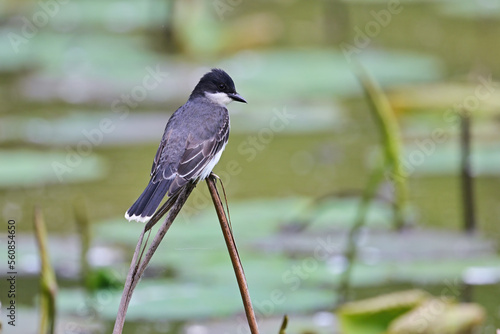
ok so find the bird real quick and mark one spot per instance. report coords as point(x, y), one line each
point(193, 141)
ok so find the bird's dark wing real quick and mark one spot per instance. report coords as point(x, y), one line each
point(154, 167)
point(199, 153)
point(195, 156)
point(162, 177)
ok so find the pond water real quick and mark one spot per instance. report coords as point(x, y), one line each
point(307, 130)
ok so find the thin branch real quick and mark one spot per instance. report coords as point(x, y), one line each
point(127, 289)
point(139, 264)
point(467, 175)
point(233, 253)
point(83, 228)
point(172, 214)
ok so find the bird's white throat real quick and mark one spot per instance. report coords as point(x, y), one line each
point(220, 98)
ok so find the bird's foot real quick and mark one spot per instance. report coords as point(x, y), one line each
point(214, 176)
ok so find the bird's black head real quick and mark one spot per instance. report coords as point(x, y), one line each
point(218, 86)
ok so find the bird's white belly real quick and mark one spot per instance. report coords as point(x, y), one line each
point(210, 166)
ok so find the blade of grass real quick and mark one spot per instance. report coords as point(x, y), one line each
point(390, 139)
point(47, 277)
point(284, 323)
point(83, 228)
point(350, 252)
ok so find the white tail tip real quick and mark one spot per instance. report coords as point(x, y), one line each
point(137, 218)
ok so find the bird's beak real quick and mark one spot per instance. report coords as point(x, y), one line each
point(237, 97)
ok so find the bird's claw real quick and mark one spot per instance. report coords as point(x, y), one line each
point(214, 176)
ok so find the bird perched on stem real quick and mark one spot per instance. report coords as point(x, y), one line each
point(192, 144)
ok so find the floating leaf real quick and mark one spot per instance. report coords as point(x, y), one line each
point(373, 316)
point(385, 3)
point(195, 248)
point(32, 168)
point(165, 299)
point(472, 10)
point(430, 158)
point(265, 75)
point(317, 323)
point(436, 316)
point(443, 96)
point(85, 126)
point(133, 15)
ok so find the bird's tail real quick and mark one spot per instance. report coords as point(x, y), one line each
point(145, 206)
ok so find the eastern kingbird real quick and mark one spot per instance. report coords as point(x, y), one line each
point(192, 144)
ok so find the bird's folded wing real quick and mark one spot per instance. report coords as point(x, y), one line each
point(199, 154)
point(154, 167)
point(196, 157)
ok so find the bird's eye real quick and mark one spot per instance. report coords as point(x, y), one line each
point(222, 86)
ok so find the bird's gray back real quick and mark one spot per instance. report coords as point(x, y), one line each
point(196, 121)
point(199, 118)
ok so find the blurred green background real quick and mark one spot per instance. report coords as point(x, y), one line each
point(86, 88)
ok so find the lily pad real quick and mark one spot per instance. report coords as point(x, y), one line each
point(445, 96)
point(319, 323)
point(191, 276)
point(88, 70)
point(28, 320)
point(323, 73)
point(195, 248)
point(165, 299)
point(53, 52)
point(449, 272)
point(471, 10)
point(83, 68)
point(85, 126)
point(117, 16)
point(442, 317)
point(251, 219)
point(412, 311)
point(430, 158)
point(385, 2)
point(82, 125)
point(34, 168)
point(373, 315)
point(261, 120)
